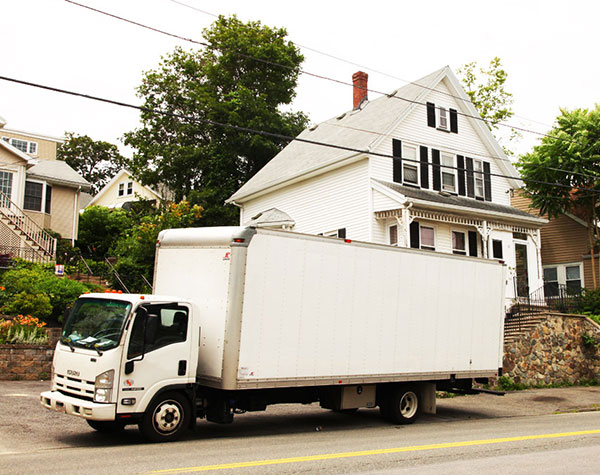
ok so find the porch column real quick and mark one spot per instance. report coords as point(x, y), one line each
point(404, 224)
point(484, 231)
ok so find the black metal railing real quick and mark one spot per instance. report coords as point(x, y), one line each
point(552, 296)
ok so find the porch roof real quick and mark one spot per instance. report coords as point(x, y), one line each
point(458, 204)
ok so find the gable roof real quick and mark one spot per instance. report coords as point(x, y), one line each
point(358, 132)
point(29, 161)
point(120, 174)
point(57, 172)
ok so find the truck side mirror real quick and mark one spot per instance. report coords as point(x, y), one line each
point(151, 329)
point(129, 367)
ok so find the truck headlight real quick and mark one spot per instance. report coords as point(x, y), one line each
point(103, 386)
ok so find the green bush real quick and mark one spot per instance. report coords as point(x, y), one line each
point(590, 301)
point(35, 290)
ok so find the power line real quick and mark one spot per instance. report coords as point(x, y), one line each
point(267, 134)
point(318, 76)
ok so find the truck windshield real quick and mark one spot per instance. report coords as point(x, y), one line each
point(95, 323)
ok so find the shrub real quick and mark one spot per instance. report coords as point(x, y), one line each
point(37, 291)
point(590, 301)
point(22, 329)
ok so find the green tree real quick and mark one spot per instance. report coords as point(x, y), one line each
point(243, 78)
point(96, 161)
point(100, 228)
point(486, 89)
point(568, 155)
point(136, 248)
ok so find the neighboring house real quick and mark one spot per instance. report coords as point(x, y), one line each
point(123, 189)
point(361, 193)
point(37, 192)
point(566, 257)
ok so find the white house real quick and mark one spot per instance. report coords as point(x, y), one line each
point(417, 167)
point(121, 189)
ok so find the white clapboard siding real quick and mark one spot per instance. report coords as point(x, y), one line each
point(414, 130)
point(337, 199)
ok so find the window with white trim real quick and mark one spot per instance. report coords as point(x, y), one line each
point(427, 238)
point(34, 195)
point(130, 188)
point(478, 178)
point(566, 275)
point(443, 119)
point(121, 189)
point(459, 243)
point(6, 180)
point(448, 174)
point(410, 165)
point(24, 146)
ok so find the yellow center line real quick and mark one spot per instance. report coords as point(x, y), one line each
point(363, 453)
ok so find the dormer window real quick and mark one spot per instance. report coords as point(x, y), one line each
point(24, 146)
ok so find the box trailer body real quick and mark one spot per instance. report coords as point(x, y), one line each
point(274, 316)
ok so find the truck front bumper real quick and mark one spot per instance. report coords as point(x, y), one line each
point(58, 402)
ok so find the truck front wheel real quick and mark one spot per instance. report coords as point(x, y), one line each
point(166, 418)
point(401, 405)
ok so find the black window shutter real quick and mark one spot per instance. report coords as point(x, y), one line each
point(472, 243)
point(470, 178)
point(397, 160)
point(431, 114)
point(414, 235)
point(437, 172)
point(424, 167)
point(487, 182)
point(453, 121)
point(460, 164)
point(342, 233)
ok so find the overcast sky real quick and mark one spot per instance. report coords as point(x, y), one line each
point(548, 48)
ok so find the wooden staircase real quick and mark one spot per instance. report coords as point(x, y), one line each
point(34, 243)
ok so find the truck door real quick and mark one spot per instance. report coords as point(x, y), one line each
point(155, 357)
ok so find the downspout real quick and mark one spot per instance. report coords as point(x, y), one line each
point(241, 210)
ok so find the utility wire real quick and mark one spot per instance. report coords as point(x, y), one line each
point(269, 134)
point(318, 76)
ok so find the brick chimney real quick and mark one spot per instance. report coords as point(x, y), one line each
point(359, 80)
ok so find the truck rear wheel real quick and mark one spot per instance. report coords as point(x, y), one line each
point(401, 405)
point(166, 418)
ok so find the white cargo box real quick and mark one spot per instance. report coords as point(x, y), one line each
point(279, 309)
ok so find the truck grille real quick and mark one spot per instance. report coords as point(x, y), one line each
point(74, 386)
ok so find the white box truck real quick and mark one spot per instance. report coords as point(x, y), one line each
point(241, 318)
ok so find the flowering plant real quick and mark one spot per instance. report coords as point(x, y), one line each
point(23, 329)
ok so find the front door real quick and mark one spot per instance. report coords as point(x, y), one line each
point(522, 280)
point(161, 362)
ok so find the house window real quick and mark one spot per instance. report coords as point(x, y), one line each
point(427, 236)
point(448, 174)
point(6, 179)
point(478, 176)
point(497, 249)
point(443, 120)
point(551, 282)
point(34, 193)
point(393, 233)
point(339, 233)
point(121, 189)
point(459, 243)
point(130, 188)
point(573, 278)
point(410, 166)
point(23, 145)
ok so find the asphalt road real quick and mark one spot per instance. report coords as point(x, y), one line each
point(548, 431)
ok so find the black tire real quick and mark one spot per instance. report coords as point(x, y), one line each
point(166, 418)
point(106, 427)
point(401, 405)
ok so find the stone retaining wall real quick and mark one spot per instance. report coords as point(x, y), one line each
point(28, 362)
point(554, 352)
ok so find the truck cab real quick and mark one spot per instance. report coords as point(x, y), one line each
point(117, 355)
